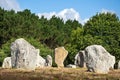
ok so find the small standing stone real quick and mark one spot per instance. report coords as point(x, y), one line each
point(40, 62)
point(79, 59)
point(7, 63)
point(119, 64)
point(48, 61)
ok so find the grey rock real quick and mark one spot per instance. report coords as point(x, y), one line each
point(23, 55)
point(7, 63)
point(48, 61)
point(119, 64)
point(98, 59)
point(40, 62)
point(79, 59)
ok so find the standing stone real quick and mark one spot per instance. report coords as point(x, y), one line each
point(40, 62)
point(79, 59)
point(48, 61)
point(7, 63)
point(98, 59)
point(23, 55)
point(60, 56)
point(119, 64)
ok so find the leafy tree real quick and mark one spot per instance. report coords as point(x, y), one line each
point(46, 35)
point(105, 27)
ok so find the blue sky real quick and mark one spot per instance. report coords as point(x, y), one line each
point(81, 9)
point(86, 8)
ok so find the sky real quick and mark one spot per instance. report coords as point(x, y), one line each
point(80, 10)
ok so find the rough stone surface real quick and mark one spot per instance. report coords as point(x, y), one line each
point(23, 55)
point(98, 59)
point(60, 55)
point(79, 59)
point(40, 62)
point(7, 63)
point(48, 61)
point(119, 64)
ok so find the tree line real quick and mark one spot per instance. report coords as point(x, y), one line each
point(102, 29)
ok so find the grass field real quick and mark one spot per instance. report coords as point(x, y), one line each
point(57, 74)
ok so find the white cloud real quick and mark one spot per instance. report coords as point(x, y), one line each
point(9, 4)
point(65, 14)
point(84, 21)
point(69, 14)
point(106, 11)
point(47, 15)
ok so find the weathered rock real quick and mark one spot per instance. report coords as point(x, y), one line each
point(71, 66)
point(40, 62)
point(7, 63)
point(23, 55)
point(48, 61)
point(79, 59)
point(119, 64)
point(60, 55)
point(98, 59)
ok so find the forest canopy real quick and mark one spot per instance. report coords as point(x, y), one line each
point(102, 29)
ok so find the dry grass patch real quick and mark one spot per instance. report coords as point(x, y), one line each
point(56, 74)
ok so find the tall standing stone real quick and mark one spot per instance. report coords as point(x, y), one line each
point(60, 56)
point(98, 59)
point(23, 55)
